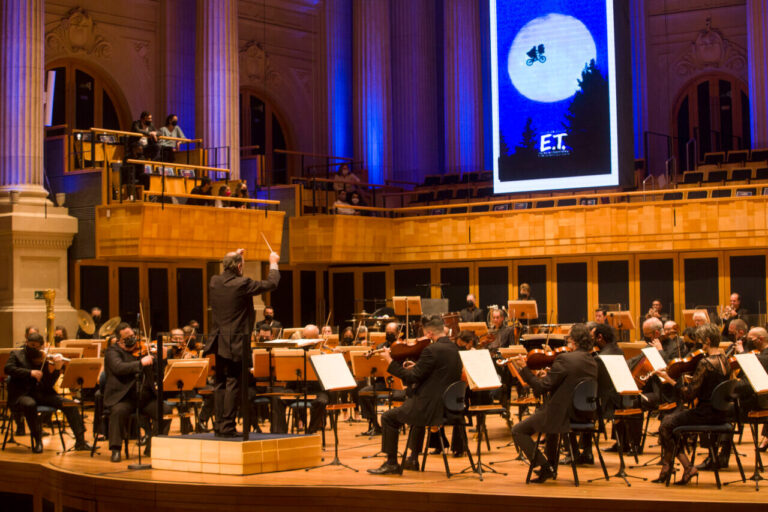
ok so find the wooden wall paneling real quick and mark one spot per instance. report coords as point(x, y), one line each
point(698, 289)
point(745, 272)
point(545, 303)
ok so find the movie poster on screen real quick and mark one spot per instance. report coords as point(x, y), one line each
point(554, 105)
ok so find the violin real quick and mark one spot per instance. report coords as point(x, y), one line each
point(406, 349)
point(734, 363)
point(642, 372)
point(687, 364)
point(538, 359)
point(140, 349)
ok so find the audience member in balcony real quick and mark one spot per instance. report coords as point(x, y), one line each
point(355, 199)
point(241, 191)
point(203, 189)
point(341, 206)
point(224, 191)
point(171, 129)
point(345, 180)
point(147, 146)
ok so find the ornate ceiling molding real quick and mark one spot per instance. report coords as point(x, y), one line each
point(711, 50)
point(256, 66)
point(78, 33)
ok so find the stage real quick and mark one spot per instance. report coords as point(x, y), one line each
point(95, 484)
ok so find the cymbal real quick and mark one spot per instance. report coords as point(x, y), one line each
point(109, 326)
point(85, 321)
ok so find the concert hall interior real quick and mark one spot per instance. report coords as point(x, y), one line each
point(383, 254)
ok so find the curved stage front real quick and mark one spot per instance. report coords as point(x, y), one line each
point(75, 481)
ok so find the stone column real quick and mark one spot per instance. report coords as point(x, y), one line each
point(34, 235)
point(218, 114)
point(462, 86)
point(757, 53)
point(335, 56)
point(414, 82)
point(177, 71)
point(373, 91)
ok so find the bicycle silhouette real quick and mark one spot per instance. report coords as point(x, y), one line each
point(536, 54)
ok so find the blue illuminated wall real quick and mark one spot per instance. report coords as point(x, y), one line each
point(339, 77)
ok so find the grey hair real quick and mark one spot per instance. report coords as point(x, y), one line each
point(231, 261)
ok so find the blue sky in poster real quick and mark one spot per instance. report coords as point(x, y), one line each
point(566, 41)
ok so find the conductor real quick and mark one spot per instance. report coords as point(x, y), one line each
point(230, 295)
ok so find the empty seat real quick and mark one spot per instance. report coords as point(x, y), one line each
point(545, 204)
point(567, 202)
point(673, 196)
point(484, 191)
point(738, 156)
point(721, 193)
point(761, 173)
point(463, 193)
point(693, 176)
point(432, 180)
point(501, 207)
point(715, 176)
point(474, 177)
point(697, 194)
point(714, 158)
point(741, 174)
point(481, 208)
point(424, 197)
point(450, 179)
point(445, 194)
point(758, 155)
point(459, 209)
point(745, 192)
point(485, 176)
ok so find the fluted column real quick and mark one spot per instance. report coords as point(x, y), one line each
point(757, 53)
point(336, 61)
point(218, 118)
point(21, 99)
point(637, 20)
point(462, 86)
point(414, 82)
point(372, 98)
point(177, 73)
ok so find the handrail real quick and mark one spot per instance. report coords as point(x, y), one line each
point(179, 139)
point(107, 131)
point(213, 198)
point(177, 165)
point(577, 197)
point(402, 182)
point(329, 180)
point(249, 148)
point(314, 155)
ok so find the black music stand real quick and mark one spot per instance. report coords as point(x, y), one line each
point(407, 306)
point(373, 366)
point(289, 368)
point(82, 373)
point(334, 375)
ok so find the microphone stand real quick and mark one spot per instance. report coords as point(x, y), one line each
point(139, 386)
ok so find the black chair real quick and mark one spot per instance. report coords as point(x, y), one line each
point(425, 197)
point(722, 193)
point(444, 195)
point(714, 158)
point(672, 196)
point(761, 173)
point(481, 208)
point(567, 202)
point(755, 418)
point(738, 156)
point(463, 193)
point(741, 174)
point(450, 179)
point(722, 402)
point(697, 194)
point(746, 192)
point(545, 204)
point(484, 192)
point(758, 155)
point(458, 209)
point(716, 176)
point(432, 180)
point(690, 177)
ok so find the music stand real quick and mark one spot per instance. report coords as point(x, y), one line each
point(334, 375)
point(291, 365)
point(184, 375)
point(523, 309)
point(688, 316)
point(621, 320)
point(479, 328)
point(407, 306)
point(374, 366)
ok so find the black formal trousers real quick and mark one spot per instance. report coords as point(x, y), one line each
point(226, 392)
point(27, 405)
point(391, 423)
point(121, 412)
point(522, 434)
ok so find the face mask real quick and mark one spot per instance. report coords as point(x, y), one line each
point(268, 318)
point(263, 338)
point(348, 340)
point(58, 339)
point(470, 304)
point(174, 123)
point(391, 337)
point(129, 342)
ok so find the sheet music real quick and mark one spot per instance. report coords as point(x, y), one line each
point(291, 343)
point(620, 375)
point(479, 368)
point(756, 374)
point(654, 357)
point(332, 372)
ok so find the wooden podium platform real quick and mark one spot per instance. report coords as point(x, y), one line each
point(263, 453)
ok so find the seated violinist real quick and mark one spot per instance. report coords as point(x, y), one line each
point(124, 364)
point(367, 407)
point(568, 369)
point(710, 371)
point(32, 376)
point(437, 368)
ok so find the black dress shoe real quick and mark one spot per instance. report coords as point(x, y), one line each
point(37, 447)
point(411, 464)
point(388, 468)
point(566, 461)
point(544, 475)
point(585, 459)
point(82, 446)
point(612, 449)
point(115, 456)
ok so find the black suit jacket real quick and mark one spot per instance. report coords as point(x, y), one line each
point(21, 382)
point(121, 369)
point(567, 371)
point(438, 367)
point(472, 315)
point(230, 297)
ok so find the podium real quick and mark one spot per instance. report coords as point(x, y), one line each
point(407, 306)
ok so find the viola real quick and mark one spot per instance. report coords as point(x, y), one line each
point(538, 359)
point(406, 349)
point(642, 372)
point(687, 364)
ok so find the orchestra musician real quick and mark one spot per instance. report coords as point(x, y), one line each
point(367, 407)
point(471, 313)
point(231, 299)
point(124, 364)
point(699, 318)
point(601, 315)
point(97, 323)
point(657, 311)
point(503, 335)
point(710, 371)
point(737, 329)
point(32, 375)
point(438, 367)
point(269, 321)
point(568, 369)
point(758, 339)
point(732, 312)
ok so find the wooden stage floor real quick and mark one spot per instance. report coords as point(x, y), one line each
point(95, 484)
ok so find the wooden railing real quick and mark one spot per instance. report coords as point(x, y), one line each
point(246, 201)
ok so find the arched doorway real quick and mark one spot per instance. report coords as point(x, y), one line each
point(262, 131)
point(84, 98)
point(714, 111)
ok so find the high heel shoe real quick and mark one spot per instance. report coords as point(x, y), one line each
point(763, 448)
point(688, 473)
point(666, 470)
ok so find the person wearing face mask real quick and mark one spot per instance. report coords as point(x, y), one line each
point(147, 145)
point(97, 323)
point(171, 129)
point(123, 367)
point(471, 313)
point(347, 337)
point(60, 334)
point(355, 199)
point(31, 381)
point(269, 321)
